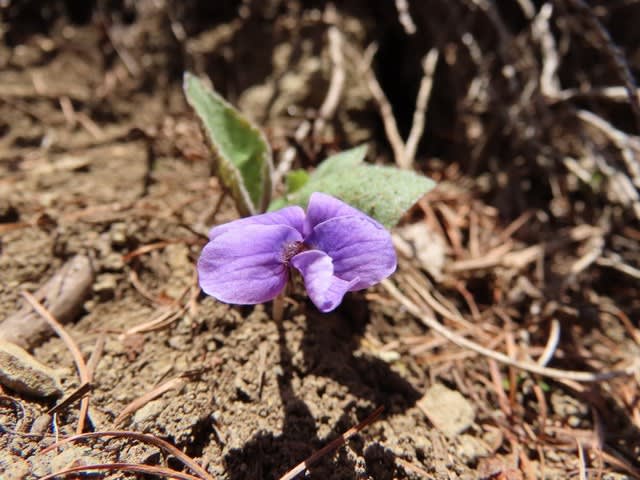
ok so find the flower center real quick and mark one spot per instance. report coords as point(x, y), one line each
point(291, 250)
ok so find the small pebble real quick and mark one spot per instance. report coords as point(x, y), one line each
point(447, 409)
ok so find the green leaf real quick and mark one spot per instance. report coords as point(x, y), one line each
point(240, 151)
point(296, 179)
point(341, 162)
point(384, 193)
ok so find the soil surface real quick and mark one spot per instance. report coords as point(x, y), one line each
point(533, 231)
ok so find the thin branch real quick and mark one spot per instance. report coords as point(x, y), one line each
point(626, 143)
point(552, 344)
point(429, 63)
point(142, 437)
point(404, 17)
point(341, 440)
point(497, 356)
point(336, 84)
point(125, 467)
point(549, 83)
point(83, 371)
point(388, 119)
point(403, 154)
point(173, 384)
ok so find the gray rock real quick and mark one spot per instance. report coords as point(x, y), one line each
point(447, 409)
point(22, 373)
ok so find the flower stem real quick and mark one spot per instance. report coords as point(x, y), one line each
point(278, 307)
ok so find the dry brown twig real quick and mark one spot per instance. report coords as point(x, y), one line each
point(549, 83)
point(628, 145)
point(429, 63)
point(432, 323)
point(83, 371)
point(551, 345)
point(403, 153)
point(613, 260)
point(124, 467)
point(336, 84)
point(173, 384)
point(143, 437)
point(404, 17)
point(91, 368)
point(341, 440)
point(328, 107)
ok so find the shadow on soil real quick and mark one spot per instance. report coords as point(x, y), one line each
point(328, 346)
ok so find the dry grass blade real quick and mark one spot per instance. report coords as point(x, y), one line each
point(341, 440)
point(125, 467)
point(552, 343)
point(142, 437)
point(164, 319)
point(336, 84)
point(429, 63)
point(621, 464)
point(158, 245)
point(83, 371)
point(91, 368)
point(174, 383)
point(432, 323)
point(386, 111)
point(80, 392)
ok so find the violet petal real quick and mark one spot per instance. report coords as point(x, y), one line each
point(322, 207)
point(324, 288)
point(291, 216)
point(244, 265)
point(359, 247)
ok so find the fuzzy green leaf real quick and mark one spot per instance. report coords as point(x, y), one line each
point(341, 162)
point(240, 151)
point(384, 193)
point(296, 179)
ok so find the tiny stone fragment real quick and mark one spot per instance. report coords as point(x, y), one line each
point(22, 373)
point(447, 409)
point(420, 242)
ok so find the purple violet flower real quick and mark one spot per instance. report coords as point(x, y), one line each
point(335, 247)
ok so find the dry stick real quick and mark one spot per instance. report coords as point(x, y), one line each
point(616, 56)
point(621, 464)
point(142, 437)
point(91, 368)
point(582, 464)
point(549, 83)
point(126, 467)
point(161, 321)
point(500, 357)
point(429, 63)
point(552, 344)
point(341, 440)
point(83, 371)
point(543, 410)
point(286, 160)
point(613, 261)
point(404, 16)
point(336, 84)
point(626, 143)
point(158, 245)
point(78, 393)
point(388, 120)
point(174, 383)
point(527, 8)
point(327, 109)
point(403, 153)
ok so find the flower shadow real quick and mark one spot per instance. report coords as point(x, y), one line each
point(328, 349)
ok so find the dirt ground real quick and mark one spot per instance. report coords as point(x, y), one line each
point(528, 247)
